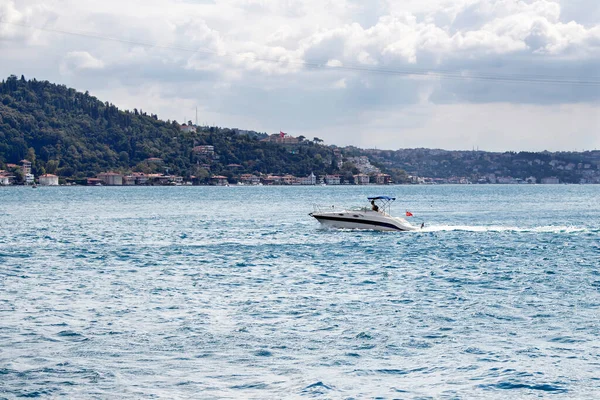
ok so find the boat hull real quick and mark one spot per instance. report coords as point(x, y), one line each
point(365, 221)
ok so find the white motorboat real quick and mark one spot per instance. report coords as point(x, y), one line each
point(374, 217)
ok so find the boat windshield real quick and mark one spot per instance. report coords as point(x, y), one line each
point(359, 208)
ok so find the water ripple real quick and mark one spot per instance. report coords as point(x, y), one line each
point(236, 293)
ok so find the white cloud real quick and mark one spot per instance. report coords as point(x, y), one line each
point(240, 60)
point(13, 18)
point(76, 61)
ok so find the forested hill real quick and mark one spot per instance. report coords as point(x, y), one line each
point(73, 134)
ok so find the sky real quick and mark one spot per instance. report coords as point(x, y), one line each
point(504, 75)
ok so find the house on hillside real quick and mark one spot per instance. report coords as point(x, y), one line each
point(26, 167)
point(281, 138)
point(187, 128)
point(204, 150)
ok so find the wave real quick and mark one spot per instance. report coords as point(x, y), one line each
point(496, 228)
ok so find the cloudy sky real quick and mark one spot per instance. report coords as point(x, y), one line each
point(498, 75)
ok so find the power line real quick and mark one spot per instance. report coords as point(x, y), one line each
point(445, 74)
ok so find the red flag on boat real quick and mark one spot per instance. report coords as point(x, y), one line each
point(281, 134)
point(408, 214)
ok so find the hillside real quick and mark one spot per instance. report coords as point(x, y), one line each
point(490, 167)
point(75, 135)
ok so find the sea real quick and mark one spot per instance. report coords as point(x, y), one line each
point(237, 293)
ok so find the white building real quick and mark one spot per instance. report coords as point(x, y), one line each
point(249, 179)
point(205, 149)
point(187, 128)
point(333, 179)
point(29, 179)
point(4, 180)
point(111, 178)
point(308, 180)
point(48, 180)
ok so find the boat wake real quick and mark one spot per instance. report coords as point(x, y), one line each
point(537, 229)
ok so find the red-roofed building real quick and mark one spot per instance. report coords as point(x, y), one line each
point(281, 139)
point(94, 182)
point(361, 179)
point(219, 180)
point(383, 179)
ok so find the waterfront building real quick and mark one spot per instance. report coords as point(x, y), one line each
point(361, 179)
point(94, 182)
point(288, 179)
point(140, 178)
point(5, 178)
point(333, 179)
point(111, 178)
point(219, 180)
point(129, 180)
point(308, 180)
point(249, 179)
point(383, 179)
point(48, 180)
point(272, 180)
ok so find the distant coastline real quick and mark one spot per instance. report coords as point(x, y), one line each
point(54, 135)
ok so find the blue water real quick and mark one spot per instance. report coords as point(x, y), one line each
point(215, 292)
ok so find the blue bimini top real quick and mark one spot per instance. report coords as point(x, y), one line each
point(381, 198)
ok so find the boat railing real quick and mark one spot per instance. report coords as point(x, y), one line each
point(319, 208)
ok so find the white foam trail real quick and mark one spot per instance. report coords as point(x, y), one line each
point(538, 229)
